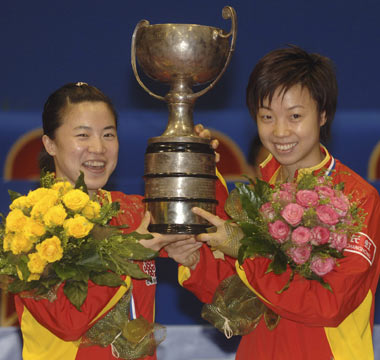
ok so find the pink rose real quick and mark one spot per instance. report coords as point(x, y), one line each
point(322, 266)
point(279, 230)
point(267, 211)
point(292, 213)
point(338, 241)
point(321, 180)
point(340, 204)
point(319, 235)
point(283, 197)
point(301, 235)
point(324, 191)
point(300, 254)
point(307, 198)
point(327, 214)
point(290, 187)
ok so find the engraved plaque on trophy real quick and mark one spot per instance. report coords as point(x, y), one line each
point(179, 165)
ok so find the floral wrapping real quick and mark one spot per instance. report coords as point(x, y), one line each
point(129, 339)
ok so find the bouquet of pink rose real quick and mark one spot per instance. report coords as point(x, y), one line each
point(304, 225)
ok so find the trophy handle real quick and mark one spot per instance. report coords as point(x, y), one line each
point(141, 24)
point(228, 12)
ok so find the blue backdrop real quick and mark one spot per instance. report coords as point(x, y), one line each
point(46, 44)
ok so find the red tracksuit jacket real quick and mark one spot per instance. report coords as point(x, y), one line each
point(315, 323)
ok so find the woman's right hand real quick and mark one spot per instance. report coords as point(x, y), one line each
point(159, 240)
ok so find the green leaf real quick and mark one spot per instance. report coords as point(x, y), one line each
point(80, 184)
point(107, 212)
point(106, 279)
point(127, 246)
point(17, 286)
point(286, 286)
point(64, 272)
point(263, 191)
point(125, 267)
point(47, 179)
point(14, 195)
point(91, 261)
point(250, 228)
point(258, 245)
point(23, 267)
point(307, 181)
point(278, 265)
point(76, 292)
point(325, 285)
point(139, 236)
point(82, 274)
point(252, 197)
point(250, 203)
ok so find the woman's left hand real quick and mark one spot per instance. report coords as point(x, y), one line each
point(185, 252)
point(159, 240)
point(216, 238)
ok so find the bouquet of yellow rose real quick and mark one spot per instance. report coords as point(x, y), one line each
point(58, 234)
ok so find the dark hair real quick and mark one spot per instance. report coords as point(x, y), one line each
point(54, 109)
point(254, 150)
point(287, 67)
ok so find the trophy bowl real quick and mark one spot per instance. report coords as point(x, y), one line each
point(168, 51)
point(179, 169)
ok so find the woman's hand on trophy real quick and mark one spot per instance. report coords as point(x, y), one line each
point(159, 240)
point(216, 238)
point(185, 252)
point(206, 133)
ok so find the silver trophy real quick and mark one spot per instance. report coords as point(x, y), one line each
point(179, 165)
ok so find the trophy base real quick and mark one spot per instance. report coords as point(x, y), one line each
point(178, 228)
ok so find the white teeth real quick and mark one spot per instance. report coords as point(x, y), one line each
point(284, 147)
point(95, 163)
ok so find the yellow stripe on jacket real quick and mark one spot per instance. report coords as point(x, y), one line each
point(41, 344)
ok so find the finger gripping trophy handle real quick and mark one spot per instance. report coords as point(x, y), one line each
point(228, 12)
point(140, 24)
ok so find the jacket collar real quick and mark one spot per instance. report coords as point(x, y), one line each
point(270, 167)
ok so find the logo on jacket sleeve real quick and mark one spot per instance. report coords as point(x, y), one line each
point(363, 245)
point(149, 267)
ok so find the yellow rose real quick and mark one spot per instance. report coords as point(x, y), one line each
point(36, 264)
point(35, 195)
point(21, 243)
point(15, 220)
point(44, 204)
point(55, 216)
point(34, 228)
point(78, 226)
point(21, 202)
point(34, 277)
point(50, 249)
point(7, 241)
point(62, 187)
point(91, 210)
point(19, 273)
point(75, 199)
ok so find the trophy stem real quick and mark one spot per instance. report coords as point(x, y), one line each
point(180, 102)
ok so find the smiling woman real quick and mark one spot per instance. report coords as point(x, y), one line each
point(80, 135)
point(86, 141)
point(80, 124)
